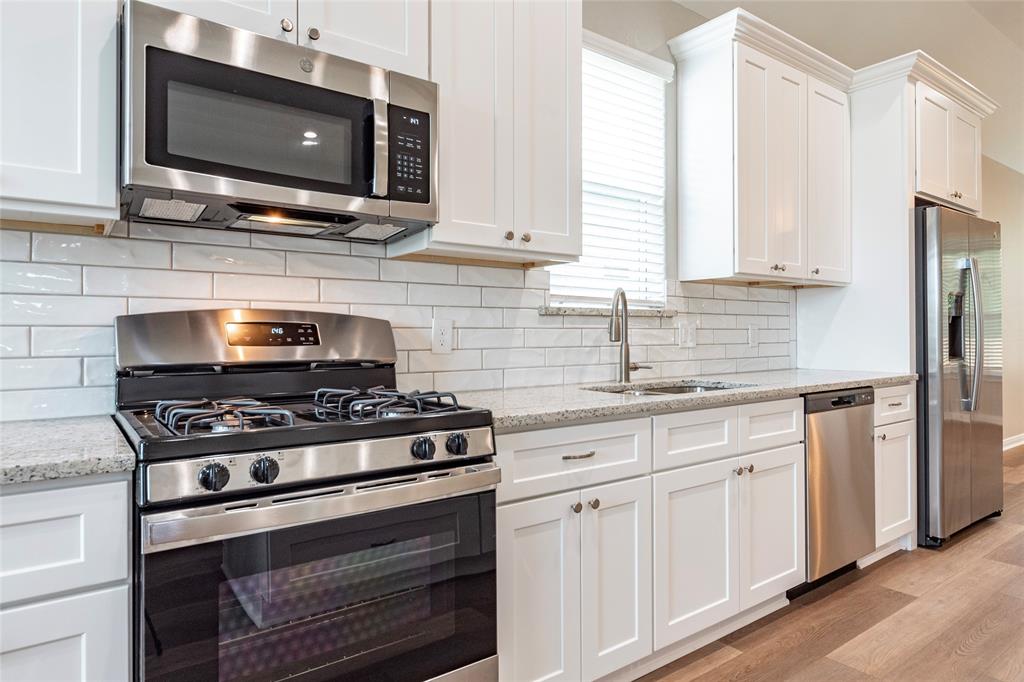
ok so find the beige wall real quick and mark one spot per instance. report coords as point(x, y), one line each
point(1003, 200)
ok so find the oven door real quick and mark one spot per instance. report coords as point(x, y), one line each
point(393, 593)
point(214, 110)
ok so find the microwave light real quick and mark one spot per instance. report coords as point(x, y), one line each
point(309, 143)
point(310, 135)
point(291, 222)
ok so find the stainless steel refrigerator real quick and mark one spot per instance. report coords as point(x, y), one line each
point(959, 360)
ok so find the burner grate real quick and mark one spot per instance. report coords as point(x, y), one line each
point(380, 403)
point(186, 417)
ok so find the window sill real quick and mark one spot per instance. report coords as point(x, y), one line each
point(603, 312)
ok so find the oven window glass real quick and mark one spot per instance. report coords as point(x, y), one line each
point(401, 594)
point(220, 120)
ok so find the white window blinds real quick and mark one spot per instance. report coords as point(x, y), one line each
point(623, 187)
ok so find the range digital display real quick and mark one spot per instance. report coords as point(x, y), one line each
point(272, 334)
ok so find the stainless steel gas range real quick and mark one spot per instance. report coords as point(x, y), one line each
point(297, 517)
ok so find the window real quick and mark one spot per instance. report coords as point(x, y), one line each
point(623, 180)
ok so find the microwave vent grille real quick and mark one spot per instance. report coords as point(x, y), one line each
point(171, 209)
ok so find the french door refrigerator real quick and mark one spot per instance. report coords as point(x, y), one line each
point(960, 363)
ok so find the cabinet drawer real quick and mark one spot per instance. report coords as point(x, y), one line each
point(540, 462)
point(694, 437)
point(771, 425)
point(895, 404)
point(64, 539)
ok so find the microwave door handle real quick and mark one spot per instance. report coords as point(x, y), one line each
point(380, 148)
point(979, 332)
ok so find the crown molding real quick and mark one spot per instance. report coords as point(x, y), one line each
point(919, 65)
point(629, 55)
point(744, 27)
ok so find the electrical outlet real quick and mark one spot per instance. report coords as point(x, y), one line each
point(688, 334)
point(751, 336)
point(441, 336)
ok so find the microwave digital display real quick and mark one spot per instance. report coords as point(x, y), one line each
point(272, 334)
point(409, 161)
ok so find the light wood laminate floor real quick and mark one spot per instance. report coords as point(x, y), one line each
point(951, 614)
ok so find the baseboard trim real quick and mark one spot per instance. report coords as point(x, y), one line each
point(1013, 442)
point(903, 542)
point(676, 651)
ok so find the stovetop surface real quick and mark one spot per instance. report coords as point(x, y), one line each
point(185, 428)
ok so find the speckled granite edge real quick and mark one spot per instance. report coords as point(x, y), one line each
point(604, 312)
point(49, 449)
point(578, 408)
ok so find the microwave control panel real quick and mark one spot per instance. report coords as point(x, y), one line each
point(409, 155)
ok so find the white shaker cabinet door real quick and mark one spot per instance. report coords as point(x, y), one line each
point(392, 34)
point(965, 158)
point(58, 110)
point(538, 543)
point(471, 62)
point(273, 18)
point(787, 169)
point(772, 521)
point(547, 113)
point(828, 183)
point(752, 101)
point(615, 612)
point(696, 549)
point(895, 481)
point(934, 129)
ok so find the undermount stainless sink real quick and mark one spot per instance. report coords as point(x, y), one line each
point(667, 390)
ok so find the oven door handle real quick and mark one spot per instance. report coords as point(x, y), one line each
point(180, 528)
point(380, 149)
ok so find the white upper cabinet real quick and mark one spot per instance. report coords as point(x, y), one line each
point(509, 83)
point(58, 111)
point(828, 183)
point(763, 126)
point(274, 18)
point(393, 34)
point(948, 143)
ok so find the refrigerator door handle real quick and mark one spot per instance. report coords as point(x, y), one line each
point(979, 331)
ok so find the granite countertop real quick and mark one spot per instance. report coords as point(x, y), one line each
point(524, 409)
point(44, 449)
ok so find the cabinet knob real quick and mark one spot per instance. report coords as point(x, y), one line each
point(313, 33)
point(526, 237)
point(882, 436)
point(739, 471)
point(576, 508)
point(816, 271)
point(594, 503)
point(750, 469)
point(774, 267)
point(782, 267)
point(286, 25)
point(510, 235)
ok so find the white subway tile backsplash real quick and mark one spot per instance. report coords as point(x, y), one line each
point(538, 279)
point(72, 341)
point(99, 371)
point(30, 309)
point(329, 265)
point(470, 317)
point(189, 235)
point(415, 271)
point(587, 374)
point(572, 356)
point(342, 308)
point(15, 245)
point(717, 366)
point(554, 337)
point(477, 380)
point(279, 242)
point(14, 342)
point(372, 250)
point(741, 307)
point(40, 278)
point(358, 291)
point(81, 250)
point(752, 364)
point(696, 290)
point(706, 305)
point(681, 368)
point(712, 352)
point(718, 321)
point(46, 403)
point(496, 297)
point(652, 337)
point(530, 317)
point(762, 294)
point(24, 373)
point(490, 338)
point(535, 376)
point(161, 305)
point(415, 382)
point(731, 335)
point(772, 308)
point(267, 287)
point(212, 258)
point(425, 361)
point(440, 294)
point(100, 281)
point(412, 339)
point(768, 349)
point(513, 357)
point(666, 354)
point(398, 315)
point(729, 291)
point(490, 277)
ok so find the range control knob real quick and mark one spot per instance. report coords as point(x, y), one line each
point(423, 448)
point(264, 470)
point(214, 476)
point(457, 444)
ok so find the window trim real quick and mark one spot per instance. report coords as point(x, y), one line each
point(629, 55)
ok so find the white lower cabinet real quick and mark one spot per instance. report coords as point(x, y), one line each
point(82, 637)
point(574, 582)
point(895, 481)
point(728, 535)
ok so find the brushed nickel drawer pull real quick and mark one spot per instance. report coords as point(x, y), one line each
point(896, 404)
point(585, 455)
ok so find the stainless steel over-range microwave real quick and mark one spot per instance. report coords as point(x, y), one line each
point(230, 129)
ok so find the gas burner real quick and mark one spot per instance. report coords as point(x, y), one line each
point(379, 403)
point(186, 417)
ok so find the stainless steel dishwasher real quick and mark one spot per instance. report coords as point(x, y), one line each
point(840, 479)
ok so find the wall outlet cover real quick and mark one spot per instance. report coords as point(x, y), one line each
point(688, 333)
point(441, 334)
